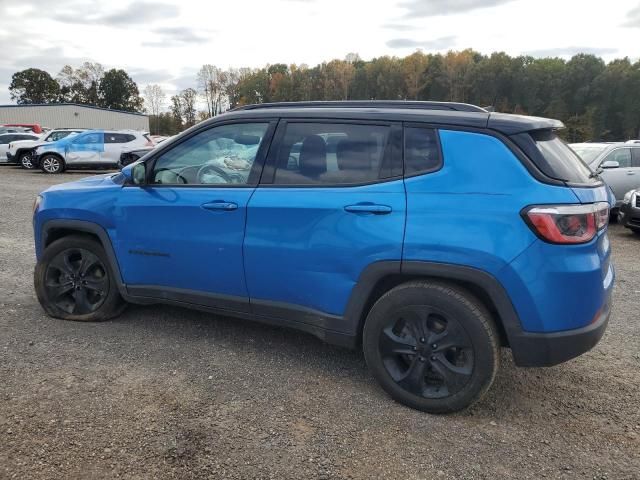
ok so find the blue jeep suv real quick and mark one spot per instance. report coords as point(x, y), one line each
point(428, 234)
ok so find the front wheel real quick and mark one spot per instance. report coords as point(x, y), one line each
point(431, 346)
point(52, 164)
point(74, 281)
point(25, 161)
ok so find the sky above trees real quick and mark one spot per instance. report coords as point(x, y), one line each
point(166, 42)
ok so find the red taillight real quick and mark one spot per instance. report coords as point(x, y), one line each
point(568, 224)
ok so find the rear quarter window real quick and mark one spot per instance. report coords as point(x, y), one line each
point(554, 158)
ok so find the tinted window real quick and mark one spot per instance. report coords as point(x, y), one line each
point(25, 137)
point(118, 137)
point(620, 155)
point(421, 152)
point(6, 139)
point(635, 157)
point(218, 156)
point(325, 153)
point(559, 161)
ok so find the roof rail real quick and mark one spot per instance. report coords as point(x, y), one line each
point(416, 105)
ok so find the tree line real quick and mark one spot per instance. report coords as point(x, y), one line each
point(596, 100)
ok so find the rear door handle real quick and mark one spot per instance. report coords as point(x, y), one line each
point(368, 208)
point(220, 205)
point(630, 172)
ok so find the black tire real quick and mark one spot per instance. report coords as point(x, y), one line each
point(70, 275)
point(431, 346)
point(24, 160)
point(52, 164)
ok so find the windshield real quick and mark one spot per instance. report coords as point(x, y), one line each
point(59, 135)
point(588, 153)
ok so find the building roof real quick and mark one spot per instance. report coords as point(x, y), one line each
point(71, 105)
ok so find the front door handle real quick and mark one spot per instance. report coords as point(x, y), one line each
point(631, 172)
point(220, 205)
point(368, 208)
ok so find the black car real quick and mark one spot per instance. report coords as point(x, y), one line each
point(130, 156)
point(629, 214)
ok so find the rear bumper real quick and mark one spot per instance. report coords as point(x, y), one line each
point(547, 349)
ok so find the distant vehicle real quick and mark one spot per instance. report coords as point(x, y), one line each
point(129, 156)
point(618, 164)
point(89, 149)
point(629, 214)
point(34, 127)
point(21, 151)
point(7, 138)
point(13, 130)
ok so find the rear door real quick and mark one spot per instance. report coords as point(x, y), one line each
point(114, 145)
point(5, 140)
point(329, 204)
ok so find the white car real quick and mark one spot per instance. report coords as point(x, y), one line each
point(7, 138)
point(20, 152)
point(94, 149)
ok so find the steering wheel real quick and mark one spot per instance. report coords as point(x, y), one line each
point(215, 170)
point(178, 176)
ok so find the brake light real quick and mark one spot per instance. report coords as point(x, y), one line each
point(567, 224)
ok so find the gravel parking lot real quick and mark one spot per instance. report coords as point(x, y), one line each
point(163, 392)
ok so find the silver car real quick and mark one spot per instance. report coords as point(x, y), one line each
point(619, 164)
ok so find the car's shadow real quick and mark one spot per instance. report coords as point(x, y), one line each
point(515, 392)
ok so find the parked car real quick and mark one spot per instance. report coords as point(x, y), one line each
point(617, 163)
point(13, 130)
point(21, 151)
point(351, 243)
point(90, 149)
point(33, 127)
point(629, 214)
point(7, 138)
point(132, 155)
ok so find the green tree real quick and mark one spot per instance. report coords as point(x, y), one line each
point(118, 91)
point(33, 86)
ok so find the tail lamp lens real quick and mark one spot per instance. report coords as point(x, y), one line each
point(568, 224)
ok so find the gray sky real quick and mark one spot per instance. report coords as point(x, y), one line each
point(166, 41)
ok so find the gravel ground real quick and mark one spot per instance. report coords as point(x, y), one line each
point(169, 393)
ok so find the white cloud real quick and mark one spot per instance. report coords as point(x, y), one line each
point(166, 41)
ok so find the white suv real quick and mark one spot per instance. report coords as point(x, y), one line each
point(90, 149)
point(20, 152)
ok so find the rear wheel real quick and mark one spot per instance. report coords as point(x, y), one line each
point(74, 281)
point(25, 160)
point(432, 346)
point(52, 164)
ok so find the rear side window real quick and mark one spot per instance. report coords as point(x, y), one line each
point(118, 137)
point(331, 153)
point(557, 160)
point(421, 151)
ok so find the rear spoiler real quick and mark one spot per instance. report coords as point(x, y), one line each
point(513, 124)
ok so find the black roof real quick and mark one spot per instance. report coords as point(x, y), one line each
point(437, 113)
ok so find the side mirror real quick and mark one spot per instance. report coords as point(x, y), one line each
point(136, 173)
point(611, 164)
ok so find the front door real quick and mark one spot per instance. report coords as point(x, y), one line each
point(85, 150)
point(180, 236)
point(329, 205)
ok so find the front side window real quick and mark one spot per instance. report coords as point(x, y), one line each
point(90, 139)
point(421, 152)
point(622, 156)
point(635, 157)
point(330, 154)
point(223, 155)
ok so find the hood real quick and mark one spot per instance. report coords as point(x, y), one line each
point(94, 181)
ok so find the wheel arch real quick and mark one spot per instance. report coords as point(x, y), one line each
point(56, 229)
point(380, 277)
